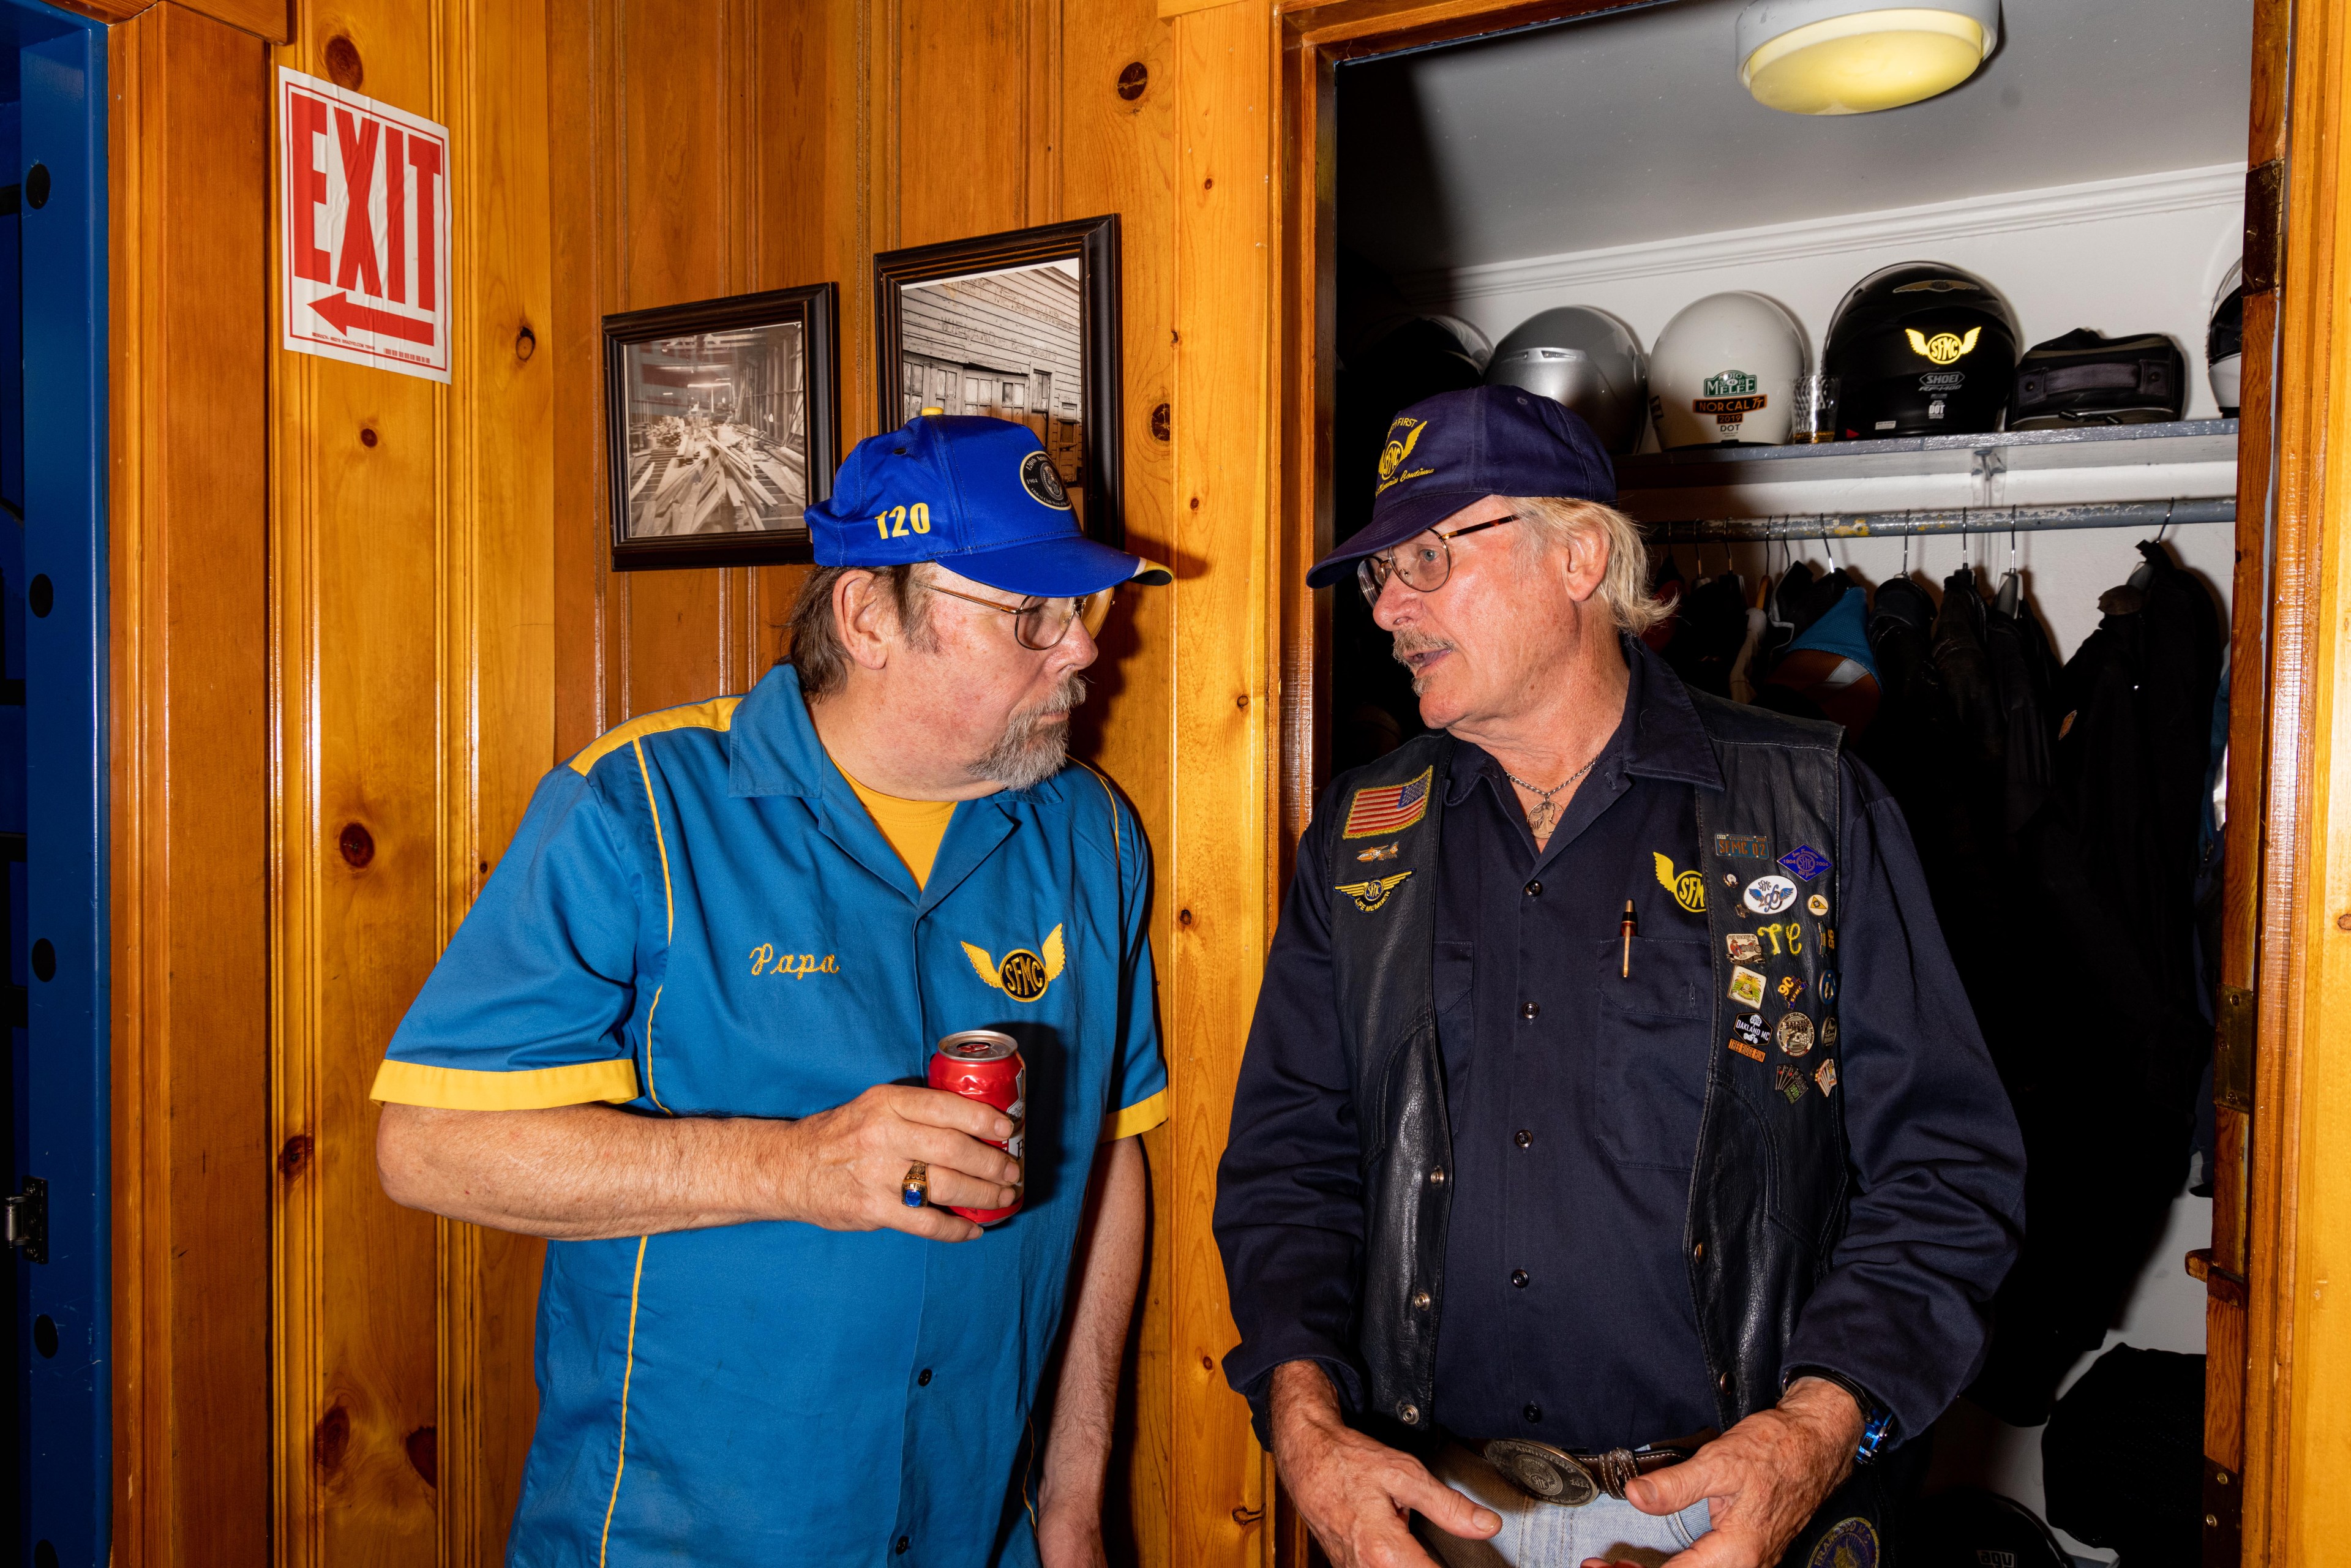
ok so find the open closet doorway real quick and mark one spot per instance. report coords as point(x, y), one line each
point(1514, 187)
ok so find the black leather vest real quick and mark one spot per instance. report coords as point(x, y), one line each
point(1767, 1184)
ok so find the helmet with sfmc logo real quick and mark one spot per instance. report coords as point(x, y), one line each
point(1922, 349)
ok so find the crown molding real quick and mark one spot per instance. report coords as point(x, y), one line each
point(2057, 206)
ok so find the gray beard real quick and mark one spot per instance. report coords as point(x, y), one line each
point(1031, 750)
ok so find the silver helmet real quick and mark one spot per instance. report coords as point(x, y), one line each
point(1587, 361)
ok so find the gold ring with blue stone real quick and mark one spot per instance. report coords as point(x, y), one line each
point(916, 1188)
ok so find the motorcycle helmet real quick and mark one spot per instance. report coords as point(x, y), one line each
point(1922, 349)
point(1724, 372)
point(2224, 345)
point(1585, 360)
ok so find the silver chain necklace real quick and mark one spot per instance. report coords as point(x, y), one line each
point(1540, 820)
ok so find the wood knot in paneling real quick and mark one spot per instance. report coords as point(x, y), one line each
point(1133, 80)
point(330, 1441)
point(295, 1157)
point(423, 1446)
point(344, 67)
point(357, 844)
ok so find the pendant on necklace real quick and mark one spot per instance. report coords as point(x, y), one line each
point(1539, 819)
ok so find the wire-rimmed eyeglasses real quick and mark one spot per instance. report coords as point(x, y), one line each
point(1422, 563)
point(1038, 624)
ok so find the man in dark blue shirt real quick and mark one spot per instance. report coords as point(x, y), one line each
point(1575, 978)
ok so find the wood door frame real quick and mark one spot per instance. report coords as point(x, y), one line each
point(2277, 755)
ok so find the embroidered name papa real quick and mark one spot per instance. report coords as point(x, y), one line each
point(765, 959)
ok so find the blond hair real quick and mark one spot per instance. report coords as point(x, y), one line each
point(1555, 520)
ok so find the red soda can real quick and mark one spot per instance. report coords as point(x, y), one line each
point(984, 1064)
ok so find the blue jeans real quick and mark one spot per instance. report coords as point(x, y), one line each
point(1537, 1534)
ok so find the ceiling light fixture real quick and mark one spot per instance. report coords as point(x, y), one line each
point(1853, 56)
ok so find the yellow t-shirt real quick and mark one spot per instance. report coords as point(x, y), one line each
point(915, 828)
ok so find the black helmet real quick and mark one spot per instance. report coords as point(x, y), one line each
point(1921, 349)
point(2225, 343)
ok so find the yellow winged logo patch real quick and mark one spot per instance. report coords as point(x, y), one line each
point(1943, 347)
point(1688, 887)
point(1396, 453)
point(1370, 895)
point(1022, 976)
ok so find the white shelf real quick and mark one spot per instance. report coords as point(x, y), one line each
point(2198, 441)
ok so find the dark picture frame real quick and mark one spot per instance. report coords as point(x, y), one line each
point(721, 422)
point(983, 321)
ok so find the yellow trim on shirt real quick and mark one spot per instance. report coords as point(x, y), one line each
point(1139, 1117)
point(915, 828)
point(628, 1375)
point(718, 714)
point(611, 1082)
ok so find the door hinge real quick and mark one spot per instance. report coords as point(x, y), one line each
point(25, 1219)
point(2224, 1516)
point(2265, 225)
point(2232, 1049)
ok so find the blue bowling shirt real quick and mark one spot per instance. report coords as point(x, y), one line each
point(697, 918)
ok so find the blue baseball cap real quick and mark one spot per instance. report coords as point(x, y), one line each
point(977, 494)
point(1446, 452)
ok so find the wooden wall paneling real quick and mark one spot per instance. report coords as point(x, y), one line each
point(1227, 702)
point(1117, 155)
point(583, 238)
point(189, 849)
point(2299, 1230)
point(497, 660)
point(964, 117)
point(412, 556)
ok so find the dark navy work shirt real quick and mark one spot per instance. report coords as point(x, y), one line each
point(1575, 1091)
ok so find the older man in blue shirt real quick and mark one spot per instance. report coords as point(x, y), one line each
point(684, 1032)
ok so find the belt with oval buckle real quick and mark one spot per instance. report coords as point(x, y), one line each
point(1573, 1478)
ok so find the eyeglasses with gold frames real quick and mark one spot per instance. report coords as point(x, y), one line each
point(1421, 563)
point(1038, 624)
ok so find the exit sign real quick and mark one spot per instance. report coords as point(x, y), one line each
point(363, 263)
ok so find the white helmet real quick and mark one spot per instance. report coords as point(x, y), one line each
point(1724, 372)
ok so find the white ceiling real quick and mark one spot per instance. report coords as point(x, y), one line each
point(1633, 126)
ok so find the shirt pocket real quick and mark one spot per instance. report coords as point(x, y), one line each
point(1651, 1031)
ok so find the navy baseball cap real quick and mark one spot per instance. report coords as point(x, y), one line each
point(977, 494)
point(1446, 452)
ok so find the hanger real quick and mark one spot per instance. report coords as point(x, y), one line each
point(2010, 597)
point(2144, 573)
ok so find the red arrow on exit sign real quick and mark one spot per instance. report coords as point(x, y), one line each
point(350, 318)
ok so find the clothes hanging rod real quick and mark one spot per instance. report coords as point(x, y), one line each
point(1950, 520)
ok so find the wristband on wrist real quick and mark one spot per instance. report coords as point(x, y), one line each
point(1877, 1420)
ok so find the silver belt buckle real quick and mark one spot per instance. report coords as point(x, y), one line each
point(1545, 1473)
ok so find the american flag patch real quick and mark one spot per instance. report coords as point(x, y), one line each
point(1388, 811)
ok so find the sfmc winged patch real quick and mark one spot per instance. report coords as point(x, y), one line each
point(1370, 895)
point(1022, 976)
point(1377, 812)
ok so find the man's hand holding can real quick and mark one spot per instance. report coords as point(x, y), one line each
point(845, 1169)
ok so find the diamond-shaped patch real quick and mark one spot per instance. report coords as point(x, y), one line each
point(1804, 863)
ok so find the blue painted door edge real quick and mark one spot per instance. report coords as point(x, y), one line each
point(63, 1137)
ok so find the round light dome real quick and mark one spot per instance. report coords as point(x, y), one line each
point(1853, 56)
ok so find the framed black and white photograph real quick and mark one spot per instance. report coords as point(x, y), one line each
point(721, 427)
point(1023, 326)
